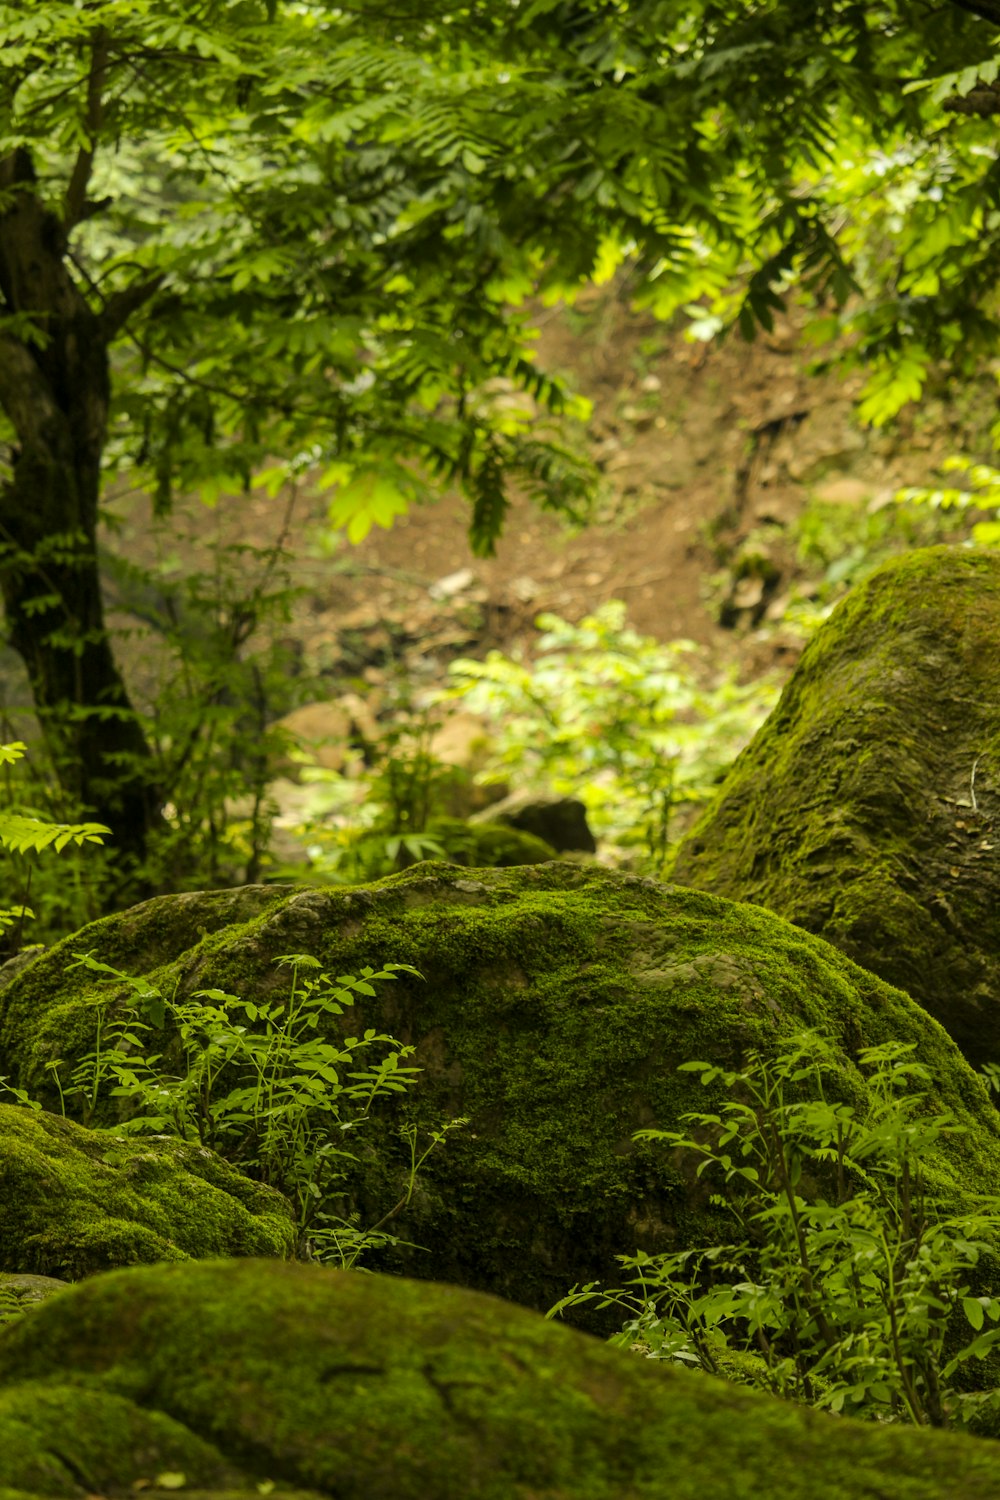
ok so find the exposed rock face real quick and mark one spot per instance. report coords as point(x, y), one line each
point(330, 1383)
point(867, 808)
point(557, 1005)
point(73, 1201)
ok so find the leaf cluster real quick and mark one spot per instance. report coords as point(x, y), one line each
point(855, 1262)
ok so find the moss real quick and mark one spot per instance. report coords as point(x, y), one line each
point(73, 1201)
point(867, 807)
point(363, 1386)
point(557, 1004)
point(21, 1290)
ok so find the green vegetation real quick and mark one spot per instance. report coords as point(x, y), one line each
point(615, 719)
point(299, 248)
point(300, 240)
point(844, 1287)
point(256, 1081)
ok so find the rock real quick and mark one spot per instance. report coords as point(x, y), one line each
point(867, 808)
point(329, 732)
point(453, 584)
point(557, 1004)
point(20, 1290)
point(463, 742)
point(841, 490)
point(74, 1201)
point(486, 845)
point(560, 821)
point(235, 1375)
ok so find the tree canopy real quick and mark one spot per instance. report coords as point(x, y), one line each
point(243, 239)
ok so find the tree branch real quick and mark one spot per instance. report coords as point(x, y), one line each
point(76, 194)
point(986, 10)
point(983, 100)
point(120, 306)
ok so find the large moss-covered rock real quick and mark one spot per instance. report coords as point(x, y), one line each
point(73, 1201)
point(367, 1387)
point(557, 1004)
point(866, 809)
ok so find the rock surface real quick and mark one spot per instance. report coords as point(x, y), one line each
point(560, 821)
point(226, 1376)
point(557, 1004)
point(867, 808)
point(73, 1201)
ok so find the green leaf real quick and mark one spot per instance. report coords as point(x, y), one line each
point(974, 1311)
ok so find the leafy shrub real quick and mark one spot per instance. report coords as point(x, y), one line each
point(849, 1273)
point(614, 718)
point(23, 834)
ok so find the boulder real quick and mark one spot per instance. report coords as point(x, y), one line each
point(560, 821)
point(74, 1201)
point(241, 1378)
point(867, 808)
point(20, 1290)
point(478, 845)
point(557, 1004)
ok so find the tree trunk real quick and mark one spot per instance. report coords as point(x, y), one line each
point(54, 389)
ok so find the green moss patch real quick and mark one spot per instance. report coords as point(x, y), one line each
point(558, 1002)
point(74, 1201)
point(867, 808)
point(364, 1387)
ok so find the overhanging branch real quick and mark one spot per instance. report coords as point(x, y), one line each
point(121, 305)
point(986, 10)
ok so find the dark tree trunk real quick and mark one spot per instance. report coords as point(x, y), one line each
point(54, 389)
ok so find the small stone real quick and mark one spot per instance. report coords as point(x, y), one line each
point(452, 584)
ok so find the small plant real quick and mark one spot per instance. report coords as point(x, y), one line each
point(257, 1082)
point(850, 1271)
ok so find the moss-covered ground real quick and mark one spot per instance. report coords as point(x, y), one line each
point(365, 1388)
point(556, 1005)
point(74, 1201)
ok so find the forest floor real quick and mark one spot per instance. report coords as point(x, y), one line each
point(736, 484)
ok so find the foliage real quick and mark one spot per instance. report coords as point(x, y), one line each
point(255, 1081)
point(852, 1267)
point(614, 718)
point(247, 241)
point(982, 494)
point(31, 835)
point(22, 835)
point(368, 825)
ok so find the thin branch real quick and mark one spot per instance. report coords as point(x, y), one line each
point(76, 193)
point(985, 10)
point(120, 306)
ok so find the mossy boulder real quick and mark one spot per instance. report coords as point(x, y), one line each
point(867, 807)
point(557, 1004)
point(488, 845)
point(331, 1383)
point(74, 1201)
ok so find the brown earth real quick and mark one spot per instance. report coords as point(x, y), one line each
point(733, 480)
point(710, 456)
